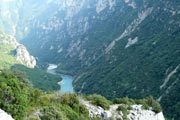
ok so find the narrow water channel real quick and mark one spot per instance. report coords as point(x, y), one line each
point(66, 83)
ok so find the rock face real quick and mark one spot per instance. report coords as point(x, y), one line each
point(5, 116)
point(17, 50)
point(137, 113)
point(24, 57)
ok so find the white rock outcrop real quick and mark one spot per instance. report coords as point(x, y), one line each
point(21, 53)
point(101, 5)
point(168, 77)
point(131, 42)
point(23, 56)
point(137, 113)
point(132, 27)
point(5, 116)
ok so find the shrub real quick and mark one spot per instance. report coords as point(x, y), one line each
point(125, 100)
point(13, 96)
point(35, 96)
point(156, 107)
point(52, 113)
point(99, 100)
point(129, 107)
point(83, 110)
point(34, 118)
point(140, 101)
point(123, 109)
point(145, 107)
point(69, 99)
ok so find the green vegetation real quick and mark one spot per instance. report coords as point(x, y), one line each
point(60, 107)
point(99, 100)
point(136, 71)
point(156, 107)
point(125, 100)
point(147, 103)
point(7, 58)
point(174, 96)
point(123, 109)
point(13, 95)
point(19, 99)
point(40, 78)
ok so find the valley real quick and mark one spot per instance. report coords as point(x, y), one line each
point(115, 48)
point(65, 83)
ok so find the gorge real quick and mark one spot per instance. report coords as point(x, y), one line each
point(115, 48)
point(65, 83)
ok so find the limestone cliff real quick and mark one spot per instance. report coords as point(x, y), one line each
point(11, 47)
point(5, 116)
point(136, 113)
point(24, 57)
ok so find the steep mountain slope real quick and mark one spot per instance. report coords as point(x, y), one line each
point(76, 25)
point(113, 47)
point(14, 53)
point(9, 16)
point(20, 100)
point(6, 48)
point(14, 56)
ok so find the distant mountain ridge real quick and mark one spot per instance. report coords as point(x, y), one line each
point(130, 47)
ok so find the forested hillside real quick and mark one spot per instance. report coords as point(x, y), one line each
point(115, 48)
point(19, 99)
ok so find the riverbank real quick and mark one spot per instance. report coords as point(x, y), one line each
point(66, 82)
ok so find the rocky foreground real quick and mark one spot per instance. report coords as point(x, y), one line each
point(5, 116)
point(137, 113)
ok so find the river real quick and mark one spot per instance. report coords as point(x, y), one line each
point(66, 83)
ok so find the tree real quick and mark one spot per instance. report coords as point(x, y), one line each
point(156, 107)
point(13, 96)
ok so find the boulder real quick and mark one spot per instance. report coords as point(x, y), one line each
point(5, 116)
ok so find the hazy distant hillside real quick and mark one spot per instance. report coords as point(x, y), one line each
point(6, 51)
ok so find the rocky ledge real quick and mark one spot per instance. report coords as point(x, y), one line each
point(21, 53)
point(23, 56)
point(136, 113)
point(5, 116)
